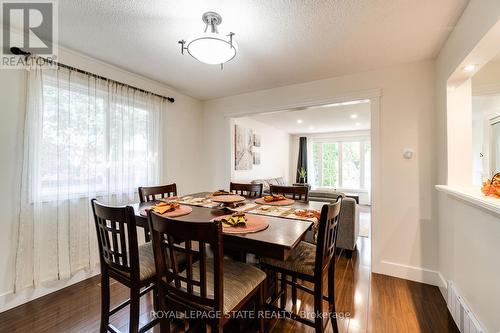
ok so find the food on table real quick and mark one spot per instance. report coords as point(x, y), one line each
point(237, 219)
point(221, 192)
point(307, 213)
point(163, 207)
point(273, 198)
point(492, 186)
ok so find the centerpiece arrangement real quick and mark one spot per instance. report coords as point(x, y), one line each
point(226, 198)
point(491, 187)
point(241, 223)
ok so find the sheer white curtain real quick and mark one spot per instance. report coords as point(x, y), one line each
point(84, 137)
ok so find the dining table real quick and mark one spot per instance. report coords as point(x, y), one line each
point(276, 241)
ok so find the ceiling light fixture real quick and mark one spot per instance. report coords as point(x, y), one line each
point(354, 116)
point(299, 121)
point(209, 47)
point(470, 68)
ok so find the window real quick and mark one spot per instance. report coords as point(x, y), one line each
point(341, 163)
point(94, 137)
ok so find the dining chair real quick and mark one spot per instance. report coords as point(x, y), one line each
point(247, 190)
point(293, 192)
point(151, 193)
point(309, 262)
point(123, 260)
point(209, 284)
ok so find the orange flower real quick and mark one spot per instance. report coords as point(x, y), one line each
point(492, 186)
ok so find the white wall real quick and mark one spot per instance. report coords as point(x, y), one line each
point(406, 244)
point(459, 105)
point(182, 160)
point(468, 252)
point(274, 152)
point(470, 256)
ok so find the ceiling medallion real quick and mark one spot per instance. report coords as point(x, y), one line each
point(209, 47)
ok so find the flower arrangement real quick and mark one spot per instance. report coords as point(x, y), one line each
point(492, 186)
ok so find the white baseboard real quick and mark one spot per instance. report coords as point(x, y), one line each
point(443, 287)
point(11, 300)
point(412, 273)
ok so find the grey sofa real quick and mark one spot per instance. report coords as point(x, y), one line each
point(348, 221)
point(349, 214)
point(269, 181)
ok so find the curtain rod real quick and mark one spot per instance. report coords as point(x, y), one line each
point(18, 51)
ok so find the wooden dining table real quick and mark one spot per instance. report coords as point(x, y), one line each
point(276, 241)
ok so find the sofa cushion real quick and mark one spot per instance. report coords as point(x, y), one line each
point(264, 182)
point(280, 181)
point(325, 194)
point(269, 181)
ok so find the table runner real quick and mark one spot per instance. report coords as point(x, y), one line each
point(276, 211)
point(198, 201)
point(251, 208)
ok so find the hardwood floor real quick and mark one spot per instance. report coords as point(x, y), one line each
point(375, 303)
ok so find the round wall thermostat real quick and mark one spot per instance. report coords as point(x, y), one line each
point(408, 154)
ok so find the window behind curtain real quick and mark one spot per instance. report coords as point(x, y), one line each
point(84, 137)
point(96, 137)
point(339, 163)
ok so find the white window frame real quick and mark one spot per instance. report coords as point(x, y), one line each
point(363, 140)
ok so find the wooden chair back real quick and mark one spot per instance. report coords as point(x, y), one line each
point(247, 190)
point(293, 192)
point(327, 235)
point(117, 238)
point(173, 239)
point(152, 193)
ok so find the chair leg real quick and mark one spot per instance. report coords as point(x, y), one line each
point(217, 328)
point(156, 299)
point(260, 308)
point(318, 307)
point(164, 326)
point(134, 310)
point(331, 297)
point(294, 292)
point(283, 290)
point(104, 301)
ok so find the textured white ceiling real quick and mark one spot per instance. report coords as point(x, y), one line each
point(280, 42)
point(319, 120)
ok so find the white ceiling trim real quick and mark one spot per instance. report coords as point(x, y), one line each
point(337, 98)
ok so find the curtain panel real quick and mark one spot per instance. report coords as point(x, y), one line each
point(302, 160)
point(84, 138)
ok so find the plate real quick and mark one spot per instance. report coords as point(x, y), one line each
point(285, 202)
point(232, 198)
point(181, 211)
point(254, 223)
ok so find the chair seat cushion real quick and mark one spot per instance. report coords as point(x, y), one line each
point(302, 259)
point(146, 261)
point(239, 281)
point(147, 268)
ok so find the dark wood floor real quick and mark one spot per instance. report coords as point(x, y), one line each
point(376, 303)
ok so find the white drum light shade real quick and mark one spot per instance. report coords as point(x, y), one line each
point(211, 48)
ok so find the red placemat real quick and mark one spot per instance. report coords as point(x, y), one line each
point(285, 202)
point(254, 224)
point(181, 211)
